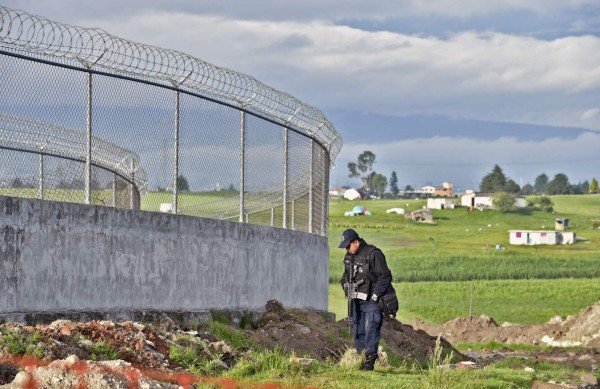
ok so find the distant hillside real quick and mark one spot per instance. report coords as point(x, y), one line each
point(356, 126)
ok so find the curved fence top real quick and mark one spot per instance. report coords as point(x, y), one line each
point(95, 47)
point(41, 137)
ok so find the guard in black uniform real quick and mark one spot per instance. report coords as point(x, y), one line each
point(366, 277)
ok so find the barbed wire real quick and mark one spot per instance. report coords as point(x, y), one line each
point(45, 138)
point(96, 48)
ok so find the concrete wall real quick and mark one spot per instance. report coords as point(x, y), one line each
point(58, 257)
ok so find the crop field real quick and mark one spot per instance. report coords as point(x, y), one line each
point(463, 262)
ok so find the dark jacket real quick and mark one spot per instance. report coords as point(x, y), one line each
point(368, 264)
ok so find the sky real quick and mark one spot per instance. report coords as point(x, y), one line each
point(502, 61)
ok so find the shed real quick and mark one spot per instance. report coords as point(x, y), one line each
point(533, 238)
point(528, 237)
point(439, 203)
point(561, 224)
point(486, 200)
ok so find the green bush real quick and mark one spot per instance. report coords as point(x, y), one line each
point(504, 202)
point(542, 203)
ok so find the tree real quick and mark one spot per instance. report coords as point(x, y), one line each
point(493, 181)
point(379, 183)
point(504, 202)
point(543, 203)
point(511, 186)
point(594, 185)
point(182, 184)
point(559, 185)
point(394, 184)
point(363, 169)
point(540, 183)
point(408, 188)
point(527, 189)
point(584, 187)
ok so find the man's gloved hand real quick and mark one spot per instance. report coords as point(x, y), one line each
point(374, 297)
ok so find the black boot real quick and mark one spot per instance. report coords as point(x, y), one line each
point(369, 363)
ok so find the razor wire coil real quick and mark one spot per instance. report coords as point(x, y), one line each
point(95, 47)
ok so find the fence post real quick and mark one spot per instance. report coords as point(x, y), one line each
point(114, 190)
point(176, 153)
point(310, 188)
point(285, 175)
point(88, 153)
point(325, 194)
point(242, 162)
point(132, 186)
point(293, 226)
point(41, 177)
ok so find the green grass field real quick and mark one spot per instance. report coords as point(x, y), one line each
point(435, 266)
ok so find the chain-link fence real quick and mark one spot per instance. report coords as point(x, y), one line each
point(89, 117)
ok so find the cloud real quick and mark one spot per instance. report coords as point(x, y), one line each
point(306, 10)
point(590, 114)
point(482, 75)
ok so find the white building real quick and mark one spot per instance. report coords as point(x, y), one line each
point(486, 200)
point(532, 238)
point(428, 190)
point(439, 203)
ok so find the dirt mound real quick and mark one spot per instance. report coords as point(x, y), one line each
point(317, 335)
point(582, 329)
point(68, 353)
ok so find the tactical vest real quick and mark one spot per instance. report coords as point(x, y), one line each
point(358, 269)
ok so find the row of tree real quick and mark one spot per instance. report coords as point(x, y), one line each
point(495, 181)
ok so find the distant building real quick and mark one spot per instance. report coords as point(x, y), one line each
point(439, 203)
point(486, 200)
point(428, 190)
point(444, 191)
point(561, 224)
point(336, 194)
point(533, 238)
point(437, 191)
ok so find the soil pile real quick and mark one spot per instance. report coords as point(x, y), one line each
point(68, 353)
point(582, 329)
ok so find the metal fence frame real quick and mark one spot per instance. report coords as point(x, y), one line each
point(95, 52)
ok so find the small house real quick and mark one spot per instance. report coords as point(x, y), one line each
point(439, 203)
point(486, 200)
point(533, 238)
point(336, 194)
point(561, 224)
point(444, 191)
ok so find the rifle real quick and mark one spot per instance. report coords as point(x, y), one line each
point(352, 292)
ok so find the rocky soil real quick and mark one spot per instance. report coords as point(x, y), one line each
point(68, 355)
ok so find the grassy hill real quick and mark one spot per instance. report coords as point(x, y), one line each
point(453, 267)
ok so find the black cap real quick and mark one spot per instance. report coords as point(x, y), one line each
point(348, 237)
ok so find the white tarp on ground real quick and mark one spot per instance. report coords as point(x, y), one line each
point(399, 211)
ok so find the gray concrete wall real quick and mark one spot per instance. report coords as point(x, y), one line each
point(58, 257)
